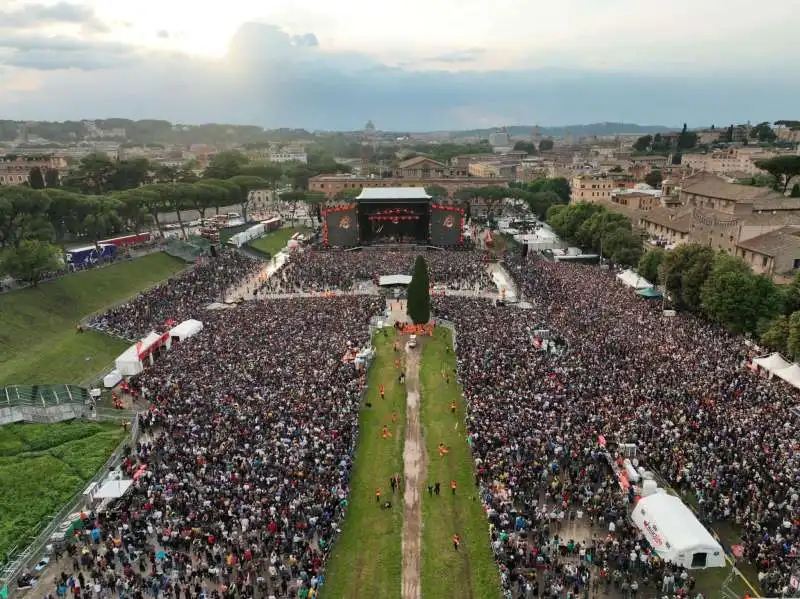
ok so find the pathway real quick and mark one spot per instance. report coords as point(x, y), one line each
point(414, 466)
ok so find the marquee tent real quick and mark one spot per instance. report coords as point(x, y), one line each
point(186, 329)
point(132, 360)
point(631, 279)
point(394, 280)
point(790, 374)
point(772, 363)
point(113, 489)
point(675, 533)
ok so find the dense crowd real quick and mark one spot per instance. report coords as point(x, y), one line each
point(244, 467)
point(676, 387)
point(181, 297)
point(336, 270)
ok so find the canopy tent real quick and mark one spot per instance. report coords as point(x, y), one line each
point(131, 361)
point(649, 293)
point(186, 329)
point(631, 279)
point(113, 489)
point(675, 533)
point(772, 363)
point(790, 374)
point(394, 280)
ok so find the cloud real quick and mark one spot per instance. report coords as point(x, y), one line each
point(273, 79)
point(30, 16)
point(462, 56)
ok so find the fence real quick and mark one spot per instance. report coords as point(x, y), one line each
point(15, 564)
point(44, 396)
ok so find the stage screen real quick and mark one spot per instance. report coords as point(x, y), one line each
point(341, 227)
point(446, 225)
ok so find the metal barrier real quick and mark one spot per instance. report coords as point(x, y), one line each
point(15, 564)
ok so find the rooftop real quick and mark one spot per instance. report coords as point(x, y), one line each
point(785, 239)
point(680, 222)
point(717, 188)
point(393, 193)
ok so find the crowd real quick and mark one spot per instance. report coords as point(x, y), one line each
point(312, 270)
point(244, 465)
point(181, 297)
point(677, 387)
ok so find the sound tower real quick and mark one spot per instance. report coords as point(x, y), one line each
point(213, 251)
point(525, 250)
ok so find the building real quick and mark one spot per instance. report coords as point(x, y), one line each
point(289, 154)
point(494, 169)
point(592, 188)
point(775, 254)
point(729, 160)
point(499, 139)
point(330, 185)
point(422, 167)
point(15, 170)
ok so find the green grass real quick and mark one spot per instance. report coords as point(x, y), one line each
point(276, 241)
point(470, 572)
point(38, 343)
point(42, 466)
point(367, 557)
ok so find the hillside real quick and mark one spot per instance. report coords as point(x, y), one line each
point(598, 129)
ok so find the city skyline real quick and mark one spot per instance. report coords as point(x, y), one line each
point(308, 65)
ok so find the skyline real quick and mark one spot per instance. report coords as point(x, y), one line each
point(308, 65)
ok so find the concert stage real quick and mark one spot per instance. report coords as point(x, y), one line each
point(393, 215)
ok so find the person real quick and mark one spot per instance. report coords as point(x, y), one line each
point(377, 494)
point(437, 488)
point(382, 391)
point(453, 486)
point(456, 541)
point(453, 406)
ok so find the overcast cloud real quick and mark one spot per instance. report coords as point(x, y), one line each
point(69, 61)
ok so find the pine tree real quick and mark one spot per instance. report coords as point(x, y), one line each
point(419, 295)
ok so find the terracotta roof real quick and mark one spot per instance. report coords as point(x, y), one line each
point(419, 160)
point(728, 191)
point(777, 202)
point(785, 239)
point(677, 221)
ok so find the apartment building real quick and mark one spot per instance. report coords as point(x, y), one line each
point(729, 160)
point(592, 188)
point(15, 169)
point(775, 254)
point(422, 167)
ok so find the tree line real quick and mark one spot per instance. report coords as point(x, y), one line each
point(725, 290)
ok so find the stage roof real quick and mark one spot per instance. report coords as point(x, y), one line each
point(393, 194)
point(394, 280)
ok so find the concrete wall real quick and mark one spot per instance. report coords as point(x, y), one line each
point(9, 415)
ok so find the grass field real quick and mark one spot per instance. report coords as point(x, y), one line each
point(470, 572)
point(367, 558)
point(38, 343)
point(276, 241)
point(41, 467)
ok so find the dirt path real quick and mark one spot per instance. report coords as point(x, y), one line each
point(414, 467)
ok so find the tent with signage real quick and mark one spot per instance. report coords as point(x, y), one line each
point(790, 374)
point(631, 279)
point(184, 330)
point(675, 533)
point(771, 363)
point(133, 360)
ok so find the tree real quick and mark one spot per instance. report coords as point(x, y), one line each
point(545, 145)
point(540, 202)
point(783, 168)
point(683, 272)
point(436, 191)
point(101, 218)
point(51, 178)
point(92, 175)
point(795, 193)
point(653, 178)
point(793, 342)
point(643, 143)
point(65, 212)
point(763, 133)
point(208, 196)
point(225, 165)
point(30, 261)
point(35, 178)
point(247, 184)
point(23, 215)
point(299, 174)
point(132, 210)
point(557, 185)
point(776, 337)
point(649, 264)
point(292, 198)
point(623, 246)
point(686, 139)
point(419, 294)
point(525, 146)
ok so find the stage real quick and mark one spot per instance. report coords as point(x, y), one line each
point(393, 215)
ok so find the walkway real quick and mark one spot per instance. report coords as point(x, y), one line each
point(503, 281)
point(244, 290)
point(414, 466)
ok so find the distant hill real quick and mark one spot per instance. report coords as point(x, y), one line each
point(598, 129)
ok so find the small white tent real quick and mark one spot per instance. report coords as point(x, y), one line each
point(112, 489)
point(772, 363)
point(675, 533)
point(128, 363)
point(186, 329)
point(790, 374)
point(631, 279)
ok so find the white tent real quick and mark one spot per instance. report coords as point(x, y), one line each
point(394, 280)
point(186, 329)
point(790, 374)
point(631, 279)
point(129, 363)
point(112, 489)
point(772, 363)
point(675, 533)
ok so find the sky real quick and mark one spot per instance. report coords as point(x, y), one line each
point(415, 65)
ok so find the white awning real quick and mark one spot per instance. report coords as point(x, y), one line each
point(394, 280)
point(113, 489)
point(393, 193)
point(631, 279)
point(772, 363)
point(186, 329)
point(790, 374)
